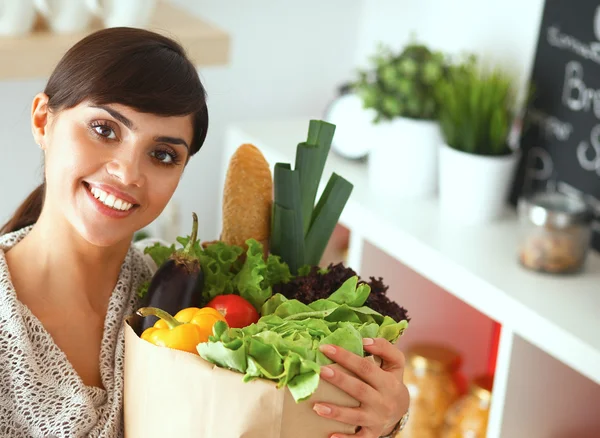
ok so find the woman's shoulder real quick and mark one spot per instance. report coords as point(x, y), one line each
point(10, 239)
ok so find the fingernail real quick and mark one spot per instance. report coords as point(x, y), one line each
point(368, 341)
point(322, 409)
point(326, 372)
point(327, 349)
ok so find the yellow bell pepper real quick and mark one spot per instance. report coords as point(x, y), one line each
point(184, 331)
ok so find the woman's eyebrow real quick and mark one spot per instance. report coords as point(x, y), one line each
point(117, 115)
point(172, 140)
point(129, 124)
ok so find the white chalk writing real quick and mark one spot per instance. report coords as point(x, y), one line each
point(551, 126)
point(564, 41)
point(588, 154)
point(568, 189)
point(540, 167)
point(576, 95)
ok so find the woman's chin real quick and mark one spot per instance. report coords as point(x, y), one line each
point(104, 237)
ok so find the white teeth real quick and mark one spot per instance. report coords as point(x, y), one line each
point(110, 200)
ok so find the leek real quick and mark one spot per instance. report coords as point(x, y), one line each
point(300, 231)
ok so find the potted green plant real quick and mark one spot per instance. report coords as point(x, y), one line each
point(476, 112)
point(400, 89)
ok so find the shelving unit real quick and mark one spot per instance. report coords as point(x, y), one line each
point(548, 322)
point(36, 54)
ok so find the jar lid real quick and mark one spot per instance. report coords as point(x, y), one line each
point(555, 209)
point(481, 387)
point(433, 357)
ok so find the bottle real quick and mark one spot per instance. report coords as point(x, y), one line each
point(468, 417)
point(434, 382)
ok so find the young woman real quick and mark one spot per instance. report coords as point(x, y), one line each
point(120, 117)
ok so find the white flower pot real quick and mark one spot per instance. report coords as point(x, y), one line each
point(403, 159)
point(473, 189)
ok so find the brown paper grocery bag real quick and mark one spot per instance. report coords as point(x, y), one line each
point(171, 393)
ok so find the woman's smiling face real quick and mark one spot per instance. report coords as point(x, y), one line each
point(110, 170)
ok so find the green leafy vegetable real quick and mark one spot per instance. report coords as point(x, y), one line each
point(217, 262)
point(283, 345)
point(249, 281)
point(143, 290)
point(227, 270)
point(287, 234)
point(159, 253)
point(277, 271)
point(300, 230)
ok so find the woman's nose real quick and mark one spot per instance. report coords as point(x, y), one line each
point(127, 168)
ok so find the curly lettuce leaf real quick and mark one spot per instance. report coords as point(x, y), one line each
point(283, 346)
point(304, 270)
point(391, 330)
point(227, 270)
point(159, 253)
point(143, 289)
point(272, 304)
point(350, 294)
point(216, 262)
point(249, 281)
point(277, 272)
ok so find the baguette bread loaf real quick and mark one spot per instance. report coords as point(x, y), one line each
point(247, 198)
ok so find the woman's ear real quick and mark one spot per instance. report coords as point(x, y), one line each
point(39, 118)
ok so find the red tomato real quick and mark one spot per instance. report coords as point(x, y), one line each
point(237, 311)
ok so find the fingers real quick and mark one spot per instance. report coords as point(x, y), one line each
point(382, 395)
point(364, 368)
point(353, 416)
point(392, 357)
point(363, 433)
point(356, 388)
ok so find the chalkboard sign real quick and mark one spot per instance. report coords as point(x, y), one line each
point(560, 141)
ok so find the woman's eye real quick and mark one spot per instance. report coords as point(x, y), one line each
point(105, 131)
point(165, 157)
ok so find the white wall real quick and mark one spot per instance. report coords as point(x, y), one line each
point(21, 159)
point(287, 59)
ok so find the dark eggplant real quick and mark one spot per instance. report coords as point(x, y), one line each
point(178, 282)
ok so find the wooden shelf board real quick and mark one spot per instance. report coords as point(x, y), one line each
point(35, 55)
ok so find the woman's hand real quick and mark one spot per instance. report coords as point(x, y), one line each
point(383, 397)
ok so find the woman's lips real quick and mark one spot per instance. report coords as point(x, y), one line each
point(113, 191)
point(105, 209)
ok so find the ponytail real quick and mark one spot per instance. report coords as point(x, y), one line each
point(28, 212)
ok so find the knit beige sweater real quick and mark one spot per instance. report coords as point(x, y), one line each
point(41, 395)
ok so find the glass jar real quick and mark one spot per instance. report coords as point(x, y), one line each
point(468, 417)
point(555, 232)
point(434, 383)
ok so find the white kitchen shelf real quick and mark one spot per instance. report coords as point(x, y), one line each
point(36, 54)
point(478, 264)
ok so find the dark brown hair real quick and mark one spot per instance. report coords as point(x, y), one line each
point(134, 67)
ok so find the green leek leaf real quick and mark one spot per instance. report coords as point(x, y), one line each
point(325, 218)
